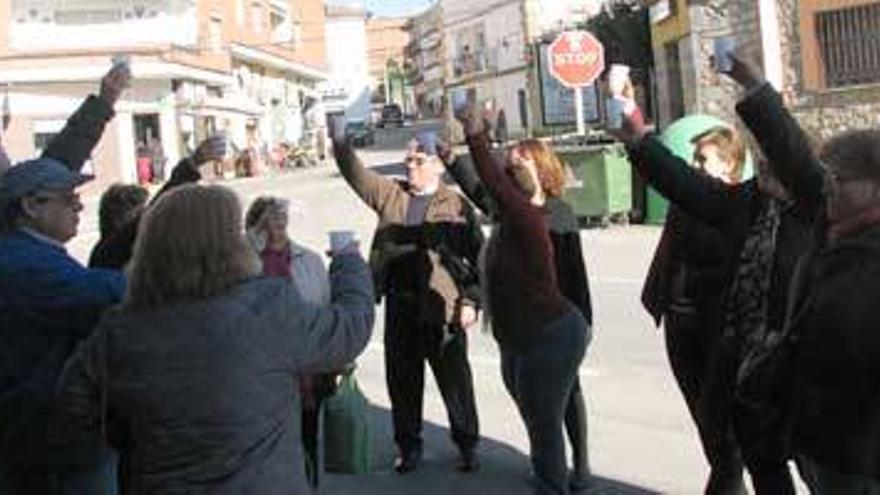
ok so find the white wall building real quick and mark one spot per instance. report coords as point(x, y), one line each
point(485, 58)
point(197, 68)
point(348, 87)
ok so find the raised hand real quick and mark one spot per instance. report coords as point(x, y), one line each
point(444, 151)
point(744, 72)
point(211, 149)
point(633, 129)
point(114, 83)
point(471, 118)
point(467, 316)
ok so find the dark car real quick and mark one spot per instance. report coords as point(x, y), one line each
point(359, 133)
point(392, 115)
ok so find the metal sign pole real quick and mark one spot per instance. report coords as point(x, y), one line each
point(579, 111)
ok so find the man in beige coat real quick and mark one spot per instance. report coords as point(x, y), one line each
point(424, 259)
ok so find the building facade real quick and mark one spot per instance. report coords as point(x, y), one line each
point(484, 47)
point(246, 67)
point(387, 39)
point(424, 61)
point(494, 54)
point(348, 88)
point(823, 55)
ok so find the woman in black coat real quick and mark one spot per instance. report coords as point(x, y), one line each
point(571, 274)
point(690, 271)
point(768, 231)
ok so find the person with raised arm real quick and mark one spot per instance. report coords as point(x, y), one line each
point(49, 302)
point(568, 258)
point(770, 227)
point(831, 385)
point(193, 378)
point(424, 257)
point(542, 335)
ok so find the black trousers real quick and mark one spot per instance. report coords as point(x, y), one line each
point(692, 340)
point(576, 429)
point(409, 342)
point(705, 367)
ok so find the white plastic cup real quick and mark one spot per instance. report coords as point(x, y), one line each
point(341, 239)
point(618, 76)
point(615, 108)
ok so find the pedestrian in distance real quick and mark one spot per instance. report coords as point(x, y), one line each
point(501, 128)
point(424, 258)
point(194, 378)
point(542, 335)
point(568, 258)
point(49, 302)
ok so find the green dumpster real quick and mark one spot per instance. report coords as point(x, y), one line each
point(656, 206)
point(602, 190)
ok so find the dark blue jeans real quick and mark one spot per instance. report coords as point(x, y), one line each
point(540, 380)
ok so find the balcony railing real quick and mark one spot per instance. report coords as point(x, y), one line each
point(469, 62)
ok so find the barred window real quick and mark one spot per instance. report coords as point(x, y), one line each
point(849, 43)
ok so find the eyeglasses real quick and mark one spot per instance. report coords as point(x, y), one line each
point(415, 161)
point(66, 199)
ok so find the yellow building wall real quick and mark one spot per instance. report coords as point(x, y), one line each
point(673, 28)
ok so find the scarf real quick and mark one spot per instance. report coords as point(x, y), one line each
point(745, 317)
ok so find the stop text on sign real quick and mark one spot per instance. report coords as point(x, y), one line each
point(577, 58)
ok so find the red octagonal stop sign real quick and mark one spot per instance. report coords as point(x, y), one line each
point(577, 58)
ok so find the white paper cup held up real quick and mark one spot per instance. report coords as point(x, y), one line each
point(341, 239)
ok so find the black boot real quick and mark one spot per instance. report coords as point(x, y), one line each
point(408, 461)
point(469, 462)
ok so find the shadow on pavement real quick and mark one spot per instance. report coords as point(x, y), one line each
point(503, 472)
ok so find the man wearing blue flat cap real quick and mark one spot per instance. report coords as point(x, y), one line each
point(49, 303)
point(424, 259)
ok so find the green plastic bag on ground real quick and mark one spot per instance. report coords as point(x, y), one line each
point(346, 429)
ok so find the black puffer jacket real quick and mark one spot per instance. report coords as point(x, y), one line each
point(835, 402)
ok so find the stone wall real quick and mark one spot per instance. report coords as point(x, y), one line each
point(705, 91)
point(823, 114)
point(827, 114)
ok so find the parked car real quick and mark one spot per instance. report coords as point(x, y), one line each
point(392, 115)
point(360, 133)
